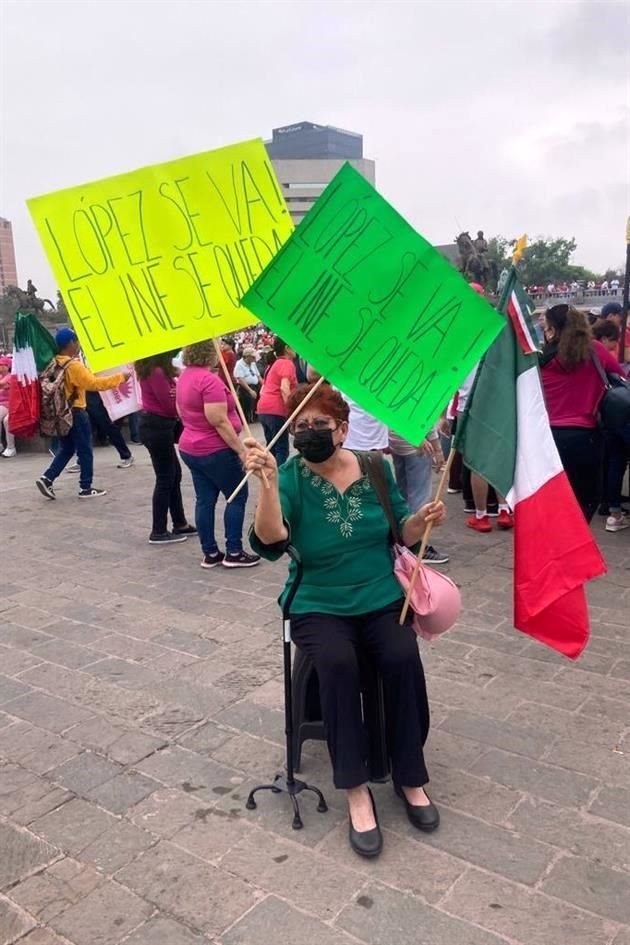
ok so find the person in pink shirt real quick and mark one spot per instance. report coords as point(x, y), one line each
point(5, 383)
point(279, 381)
point(573, 391)
point(159, 428)
point(211, 448)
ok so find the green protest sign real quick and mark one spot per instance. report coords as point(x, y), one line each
point(374, 307)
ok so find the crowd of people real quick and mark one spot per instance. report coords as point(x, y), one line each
point(187, 403)
point(581, 287)
point(324, 502)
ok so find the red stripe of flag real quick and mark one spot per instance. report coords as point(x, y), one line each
point(521, 328)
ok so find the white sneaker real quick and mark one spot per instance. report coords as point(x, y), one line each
point(8, 453)
point(616, 523)
point(75, 468)
point(126, 463)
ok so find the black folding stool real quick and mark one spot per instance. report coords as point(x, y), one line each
point(287, 783)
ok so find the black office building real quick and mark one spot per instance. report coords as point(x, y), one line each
point(306, 140)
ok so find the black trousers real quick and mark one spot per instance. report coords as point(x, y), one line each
point(248, 404)
point(332, 642)
point(459, 479)
point(103, 426)
point(469, 501)
point(581, 452)
point(158, 435)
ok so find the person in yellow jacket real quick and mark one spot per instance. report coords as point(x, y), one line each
point(78, 379)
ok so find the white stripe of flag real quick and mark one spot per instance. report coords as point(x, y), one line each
point(521, 325)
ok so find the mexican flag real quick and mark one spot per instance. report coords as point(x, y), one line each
point(506, 438)
point(33, 349)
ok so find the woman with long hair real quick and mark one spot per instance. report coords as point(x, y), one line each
point(159, 429)
point(573, 391)
point(278, 383)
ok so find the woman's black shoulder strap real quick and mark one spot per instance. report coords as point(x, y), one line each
point(372, 465)
point(599, 368)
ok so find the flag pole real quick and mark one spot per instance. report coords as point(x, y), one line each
point(239, 406)
point(427, 534)
point(519, 248)
point(285, 426)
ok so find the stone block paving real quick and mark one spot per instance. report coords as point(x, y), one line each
point(141, 698)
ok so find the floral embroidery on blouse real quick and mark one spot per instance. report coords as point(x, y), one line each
point(341, 510)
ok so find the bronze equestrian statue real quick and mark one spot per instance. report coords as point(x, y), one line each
point(28, 301)
point(474, 261)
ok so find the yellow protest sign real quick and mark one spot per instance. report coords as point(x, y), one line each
point(160, 257)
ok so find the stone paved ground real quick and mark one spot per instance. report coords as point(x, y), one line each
point(140, 697)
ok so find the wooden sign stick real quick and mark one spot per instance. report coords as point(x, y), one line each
point(282, 429)
point(427, 535)
point(239, 406)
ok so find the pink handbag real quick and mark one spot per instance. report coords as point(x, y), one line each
point(436, 602)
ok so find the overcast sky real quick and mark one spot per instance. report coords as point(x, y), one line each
point(509, 116)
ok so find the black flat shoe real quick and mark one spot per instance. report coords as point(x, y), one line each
point(367, 843)
point(425, 818)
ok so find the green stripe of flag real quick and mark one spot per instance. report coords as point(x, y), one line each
point(487, 431)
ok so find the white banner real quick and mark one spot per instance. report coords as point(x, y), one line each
point(124, 399)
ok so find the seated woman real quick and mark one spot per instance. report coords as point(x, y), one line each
point(349, 597)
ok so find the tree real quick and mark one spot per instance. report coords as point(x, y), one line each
point(544, 261)
point(8, 308)
point(62, 311)
point(499, 251)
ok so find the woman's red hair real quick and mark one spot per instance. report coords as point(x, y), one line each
point(328, 400)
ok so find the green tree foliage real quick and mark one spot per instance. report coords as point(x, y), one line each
point(500, 251)
point(614, 274)
point(545, 261)
point(62, 311)
point(8, 308)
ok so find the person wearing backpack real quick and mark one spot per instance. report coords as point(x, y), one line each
point(63, 413)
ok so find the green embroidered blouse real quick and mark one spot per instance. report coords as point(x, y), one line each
point(343, 541)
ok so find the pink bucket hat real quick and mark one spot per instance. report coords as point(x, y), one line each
point(5, 359)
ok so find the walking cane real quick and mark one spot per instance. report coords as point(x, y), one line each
point(287, 783)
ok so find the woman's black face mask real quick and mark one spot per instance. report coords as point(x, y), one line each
point(316, 446)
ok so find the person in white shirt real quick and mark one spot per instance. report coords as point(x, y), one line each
point(248, 380)
point(614, 286)
point(365, 432)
